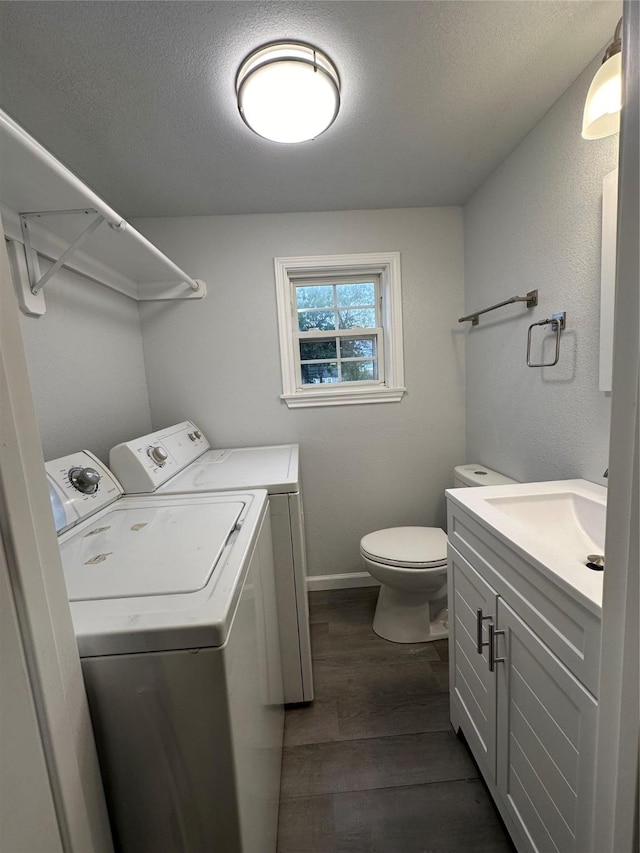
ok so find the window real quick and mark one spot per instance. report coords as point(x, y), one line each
point(338, 307)
point(340, 329)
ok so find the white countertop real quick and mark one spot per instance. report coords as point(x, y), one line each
point(553, 525)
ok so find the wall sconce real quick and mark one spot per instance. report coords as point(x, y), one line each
point(604, 99)
point(288, 91)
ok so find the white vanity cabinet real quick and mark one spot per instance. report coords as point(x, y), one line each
point(527, 703)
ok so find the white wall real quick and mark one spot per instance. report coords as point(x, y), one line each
point(86, 368)
point(536, 224)
point(217, 362)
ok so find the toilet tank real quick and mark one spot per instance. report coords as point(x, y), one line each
point(478, 475)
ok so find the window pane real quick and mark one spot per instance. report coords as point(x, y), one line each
point(354, 347)
point(316, 296)
point(319, 374)
point(319, 349)
point(309, 321)
point(358, 371)
point(363, 293)
point(353, 318)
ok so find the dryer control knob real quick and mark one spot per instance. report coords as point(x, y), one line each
point(158, 454)
point(198, 434)
point(192, 436)
point(85, 480)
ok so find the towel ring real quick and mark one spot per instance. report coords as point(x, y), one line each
point(558, 322)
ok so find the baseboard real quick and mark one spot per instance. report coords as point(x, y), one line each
point(348, 581)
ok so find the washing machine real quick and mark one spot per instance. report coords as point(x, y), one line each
point(180, 460)
point(173, 604)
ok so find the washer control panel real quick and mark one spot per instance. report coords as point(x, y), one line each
point(79, 485)
point(144, 464)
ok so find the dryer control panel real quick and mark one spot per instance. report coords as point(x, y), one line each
point(79, 485)
point(144, 464)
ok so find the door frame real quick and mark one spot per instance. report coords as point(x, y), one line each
point(37, 584)
point(616, 813)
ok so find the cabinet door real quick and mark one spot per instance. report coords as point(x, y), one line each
point(473, 687)
point(546, 728)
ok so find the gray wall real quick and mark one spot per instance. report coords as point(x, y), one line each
point(86, 368)
point(217, 362)
point(536, 224)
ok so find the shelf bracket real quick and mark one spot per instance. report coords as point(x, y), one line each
point(37, 280)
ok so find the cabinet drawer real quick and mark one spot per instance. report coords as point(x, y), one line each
point(568, 628)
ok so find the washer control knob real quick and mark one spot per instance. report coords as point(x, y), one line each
point(192, 436)
point(158, 454)
point(198, 434)
point(85, 480)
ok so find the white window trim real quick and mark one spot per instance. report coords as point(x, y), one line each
point(384, 264)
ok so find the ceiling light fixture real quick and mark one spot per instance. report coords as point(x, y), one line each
point(288, 91)
point(604, 99)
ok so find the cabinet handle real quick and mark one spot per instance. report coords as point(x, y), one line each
point(479, 620)
point(493, 660)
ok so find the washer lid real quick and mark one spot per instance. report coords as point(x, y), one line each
point(144, 549)
point(421, 546)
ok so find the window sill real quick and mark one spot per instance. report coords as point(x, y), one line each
point(343, 397)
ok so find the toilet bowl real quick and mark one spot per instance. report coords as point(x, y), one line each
point(411, 565)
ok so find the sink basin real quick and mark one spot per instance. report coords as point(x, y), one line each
point(567, 520)
point(555, 526)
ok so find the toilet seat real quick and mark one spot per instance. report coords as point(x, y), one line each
point(406, 547)
point(441, 564)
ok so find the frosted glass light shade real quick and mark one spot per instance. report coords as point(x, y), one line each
point(288, 92)
point(604, 100)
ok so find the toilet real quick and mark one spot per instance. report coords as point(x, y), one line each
point(411, 565)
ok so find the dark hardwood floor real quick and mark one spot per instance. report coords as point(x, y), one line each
point(373, 766)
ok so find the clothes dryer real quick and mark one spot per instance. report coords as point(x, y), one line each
point(173, 604)
point(180, 460)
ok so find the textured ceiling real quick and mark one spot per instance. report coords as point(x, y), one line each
point(138, 97)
